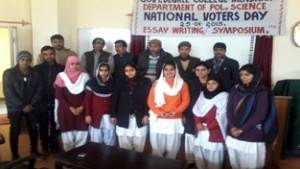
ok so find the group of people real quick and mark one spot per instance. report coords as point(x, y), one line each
point(118, 99)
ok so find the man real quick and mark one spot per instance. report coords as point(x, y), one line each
point(48, 70)
point(152, 59)
point(62, 53)
point(22, 91)
point(185, 62)
point(226, 68)
point(121, 58)
point(91, 59)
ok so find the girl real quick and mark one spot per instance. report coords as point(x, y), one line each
point(130, 110)
point(69, 91)
point(98, 97)
point(195, 87)
point(248, 109)
point(210, 123)
point(168, 98)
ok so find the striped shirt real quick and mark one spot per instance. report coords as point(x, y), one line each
point(151, 72)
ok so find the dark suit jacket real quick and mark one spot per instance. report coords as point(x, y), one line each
point(228, 72)
point(189, 72)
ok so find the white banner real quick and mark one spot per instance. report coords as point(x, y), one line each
point(209, 17)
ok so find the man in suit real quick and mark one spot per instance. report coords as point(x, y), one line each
point(185, 62)
point(224, 67)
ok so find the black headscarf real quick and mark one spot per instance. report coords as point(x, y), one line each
point(132, 82)
point(256, 84)
point(99, 87)
point(209, 95)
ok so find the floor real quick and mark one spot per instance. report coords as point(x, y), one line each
point(48, 163)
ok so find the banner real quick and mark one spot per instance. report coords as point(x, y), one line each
point(209, 17)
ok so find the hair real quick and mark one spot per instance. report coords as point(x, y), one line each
point(123, 42)
point(47, 47)
point(104, 65)
point(57, 36)
point(257, 76)
point(220, 45)
point(201, 63)
point(169, 62)
point(98, 38)
point(131, 64)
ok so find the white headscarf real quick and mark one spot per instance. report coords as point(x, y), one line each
point(163, 87)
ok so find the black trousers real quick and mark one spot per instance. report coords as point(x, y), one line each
point(48, 136)
point(15, 128)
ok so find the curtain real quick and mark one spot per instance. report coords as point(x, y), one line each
point(263, 57)
point(137, 45)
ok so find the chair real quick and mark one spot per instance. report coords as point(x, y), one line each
point(19, 163)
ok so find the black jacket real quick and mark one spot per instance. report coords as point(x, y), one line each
point(189, 73)
point(143, 61)
point(125, 102)
point(228, 72)
point(20, 90)
point(48, 75)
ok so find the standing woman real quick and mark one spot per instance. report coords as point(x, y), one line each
point(248, 112)
point(130, 109)
point(196, 85)
point(69, 92)
point(211, 125)
point(168, 98)
point(98, 98)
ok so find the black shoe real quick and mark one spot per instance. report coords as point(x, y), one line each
point(190, 166)
point(37, 155)
point(15, 157)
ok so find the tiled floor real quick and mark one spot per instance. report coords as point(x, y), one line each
point(289, 163)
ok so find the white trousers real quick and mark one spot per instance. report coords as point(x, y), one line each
point(132, 143)
point(105, 133)
point(241, 160)
point(73, 139)
point(165, 143)
point(207, 159)
point(189, 142)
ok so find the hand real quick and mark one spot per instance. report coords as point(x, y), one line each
point(113, 121)
point(73, 110)
point(28, 108)
point(79, 110)
point(145, 120)
point(88, 119)
point(172, 114)
point(200, 127)
point(164, 115)
point(236, 132)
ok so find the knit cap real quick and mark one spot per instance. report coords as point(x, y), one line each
point(184, 43)
point(24, 54)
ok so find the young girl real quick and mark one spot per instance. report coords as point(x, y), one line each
point(195, 87)
point(69, 91)
point(210, 123)
point(130, 110)
point(168, 98)
point(248, 109)
point(98, 96)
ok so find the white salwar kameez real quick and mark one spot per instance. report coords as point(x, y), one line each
point(189, 144)
point(210, 155)
point(165, 135)
point(245, 154)
point(73, 139)
point(132, 138)
point(105, 133)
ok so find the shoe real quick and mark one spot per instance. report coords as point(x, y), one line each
point(190, 166)
point(38, 155)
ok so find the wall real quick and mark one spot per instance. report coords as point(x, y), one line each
point(286, 55)
point(16, 11)
point(113, 14)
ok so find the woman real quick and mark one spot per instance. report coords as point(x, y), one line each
point(210, 123)
point(168, 98)
point(98, 98)
point(195, 87)
point(69, 91)
point(248, 112)
point(130, 110)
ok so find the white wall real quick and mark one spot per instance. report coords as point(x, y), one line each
point(286, 55)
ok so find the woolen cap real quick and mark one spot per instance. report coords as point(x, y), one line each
point(24, 54)
point(184, 43)
point(155, 41)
